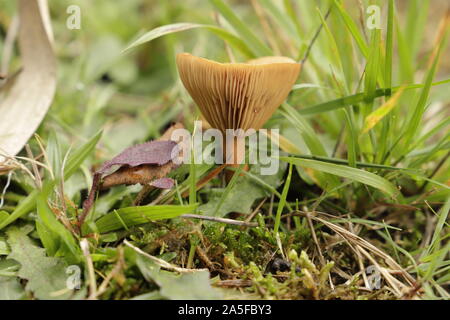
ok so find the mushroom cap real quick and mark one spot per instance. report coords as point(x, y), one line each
point(238, 95)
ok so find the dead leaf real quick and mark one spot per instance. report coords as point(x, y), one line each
point(149, 153)
point(163, 183)
point(24, 103)
point(133, 175)
point(147, 164)
point(152, 160)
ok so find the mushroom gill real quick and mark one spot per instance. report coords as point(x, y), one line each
point(237, 95)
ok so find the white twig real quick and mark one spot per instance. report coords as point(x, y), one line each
point(221, 220)
point(84, 244)
point(8, 181)
point(162, 263)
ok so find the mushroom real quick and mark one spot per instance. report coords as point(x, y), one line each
point(237, 95)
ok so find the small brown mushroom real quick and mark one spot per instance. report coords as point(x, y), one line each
point(237, 95)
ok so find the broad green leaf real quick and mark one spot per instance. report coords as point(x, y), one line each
point(185, 286)
point(131, 216)
point(9, 267)
point(10, 289)
point(189, 286)
point(231, 39)
point(358, 175)
point(4, 250)
point(46, 277)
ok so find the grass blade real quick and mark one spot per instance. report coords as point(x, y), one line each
point(315, 146)
point(256, 45)
point(353, 28)
point(372, 68)
point(389, 45)
point(231, 39)
point(280, 17)
point(131, 216)
point(358, 175)
point(76, 159)
point(377, 115)
point(230, 185)
point(413, 125)
point(358, 98)
point(442, 218)
point(282, 200)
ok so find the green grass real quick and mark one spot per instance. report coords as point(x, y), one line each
point(366, 140)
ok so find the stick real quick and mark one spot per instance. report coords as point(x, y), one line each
point(162, 263)
point(84, 244)
point(221, 220)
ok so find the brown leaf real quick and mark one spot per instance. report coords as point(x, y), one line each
point(143, 173)
point(147, 164)
point(24, 103)
point(149, 153)
point(133, 175)
point(163, 183)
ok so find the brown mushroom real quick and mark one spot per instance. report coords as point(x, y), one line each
point(237, 95)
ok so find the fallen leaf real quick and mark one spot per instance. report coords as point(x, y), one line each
point(150, 153)
point(147, 164)
point(133, 175)
point(142, 163)
point(25, 99)
point(163, 183)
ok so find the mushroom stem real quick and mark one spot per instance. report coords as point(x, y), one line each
point(234, 155)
